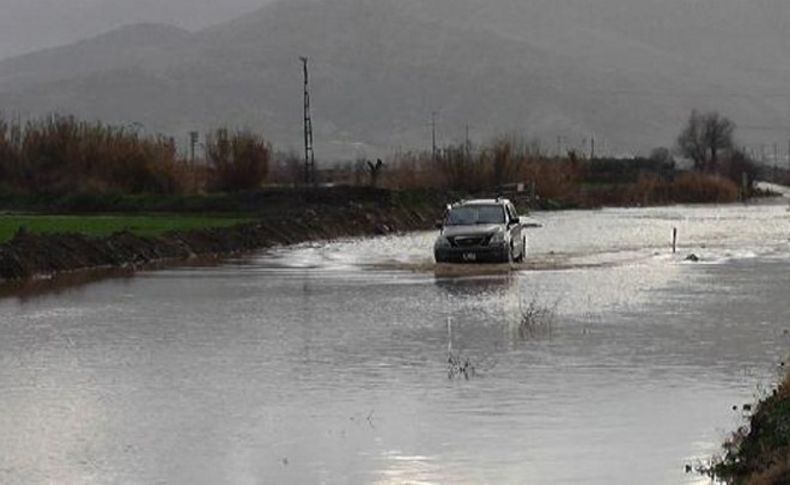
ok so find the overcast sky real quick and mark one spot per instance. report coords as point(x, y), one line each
point(28, 25)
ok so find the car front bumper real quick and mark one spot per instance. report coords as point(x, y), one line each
point(490, 254)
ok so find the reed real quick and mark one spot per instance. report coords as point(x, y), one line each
point(60, 154)
point(237, 161)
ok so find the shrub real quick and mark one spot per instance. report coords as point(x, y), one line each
point(237, 162)
point(412, 170)
point(691, 187)
point(760, 451)
point(60, 154)
point(462, 168)
point(555, 179)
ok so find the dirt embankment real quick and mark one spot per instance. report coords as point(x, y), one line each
point(31, 255)
point(759, 453)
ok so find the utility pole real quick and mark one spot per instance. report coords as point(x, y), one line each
point(776, 154)
point(193, 141)
point(194, 138)
point(468, 144)
point(776, 161)
point(559, 146)
point(309, 154)
point(433, 135)
point(592, 148)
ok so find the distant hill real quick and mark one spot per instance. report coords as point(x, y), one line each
point(30, 25)
point(135, 45)
point(626, 72)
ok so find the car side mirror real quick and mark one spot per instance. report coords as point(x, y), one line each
point(529, 223)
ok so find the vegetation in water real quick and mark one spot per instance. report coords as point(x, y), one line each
point(535, 319)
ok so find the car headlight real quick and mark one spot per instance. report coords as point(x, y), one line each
point(499, 236)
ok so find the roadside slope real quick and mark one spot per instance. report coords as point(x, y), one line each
point(33, 255)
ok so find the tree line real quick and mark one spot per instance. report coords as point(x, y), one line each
point(61, 154)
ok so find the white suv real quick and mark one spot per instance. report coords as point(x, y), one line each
point(481, 231)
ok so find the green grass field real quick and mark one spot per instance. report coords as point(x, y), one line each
point(143, 225)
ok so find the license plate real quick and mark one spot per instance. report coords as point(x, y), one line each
point(469, 257)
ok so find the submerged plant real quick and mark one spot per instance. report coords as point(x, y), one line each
point(458, 365)
point(535, 319)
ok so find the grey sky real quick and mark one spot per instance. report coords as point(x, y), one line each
point(627, 71)
point(28, 25)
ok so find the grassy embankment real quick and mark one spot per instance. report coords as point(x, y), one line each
point(282, 217)
point(105, 225)
point(759, 453)
point(154, 215)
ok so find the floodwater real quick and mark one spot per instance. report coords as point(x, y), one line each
point(328, 363)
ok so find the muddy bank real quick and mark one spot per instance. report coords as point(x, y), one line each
point(33, 255)
point(759, 453)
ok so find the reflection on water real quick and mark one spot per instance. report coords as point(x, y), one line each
point(327, 363)
point(60, 284)
point(476, 286)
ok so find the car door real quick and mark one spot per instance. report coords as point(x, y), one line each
point(514, 226)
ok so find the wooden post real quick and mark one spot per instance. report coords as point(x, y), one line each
point(450, 336)
point(674, 240)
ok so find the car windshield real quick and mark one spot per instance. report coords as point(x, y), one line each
point(469, 215)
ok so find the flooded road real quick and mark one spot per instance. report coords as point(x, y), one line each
point(328, 363)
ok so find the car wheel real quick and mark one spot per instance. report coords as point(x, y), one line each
point(522, 255)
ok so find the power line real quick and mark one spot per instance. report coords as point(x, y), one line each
point(684, 94)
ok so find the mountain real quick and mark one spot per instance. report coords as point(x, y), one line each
point(30, 25)
point(140, 44)
point(624, 71)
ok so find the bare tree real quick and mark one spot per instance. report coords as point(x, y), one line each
point(705, 136)
point(718, 135)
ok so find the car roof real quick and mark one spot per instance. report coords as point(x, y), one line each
point(482, 202)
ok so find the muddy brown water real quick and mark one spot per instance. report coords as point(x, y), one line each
point(327, 363)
